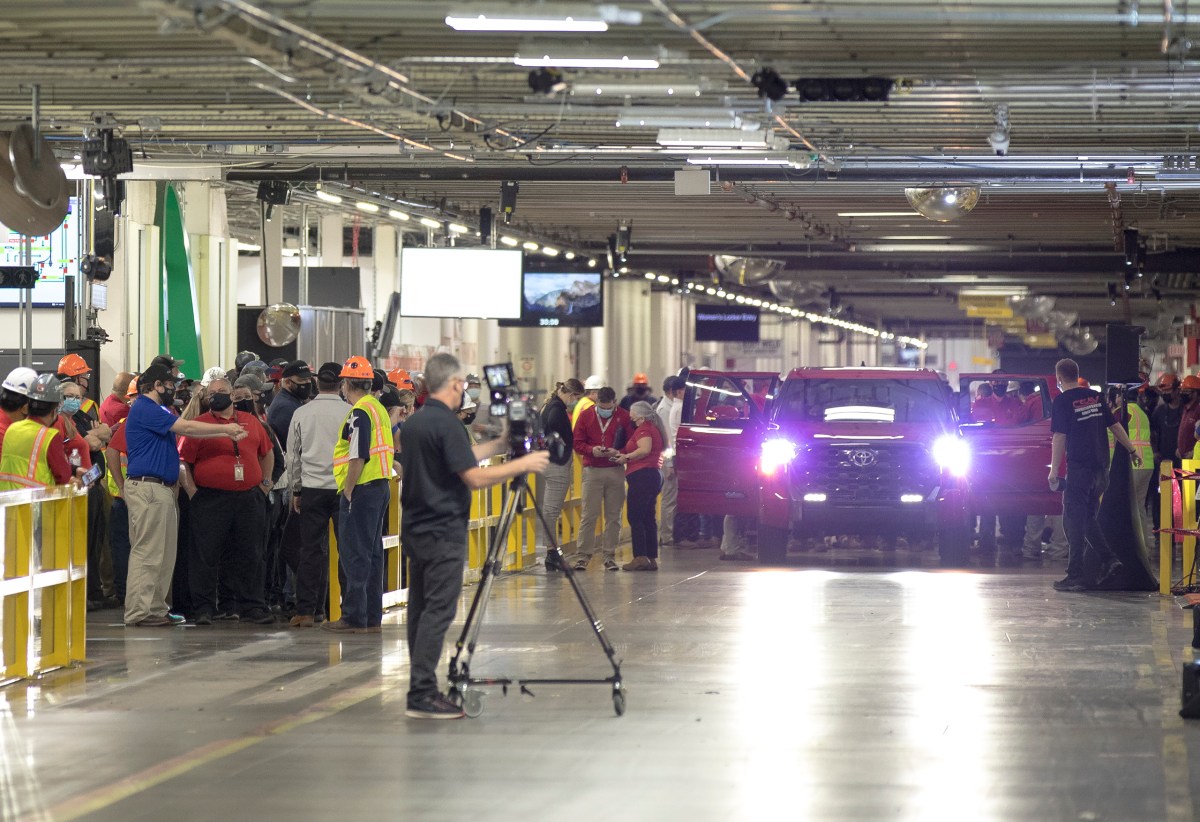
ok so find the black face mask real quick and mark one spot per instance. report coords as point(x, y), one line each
point(1186, 397)
point(245, 405)
point(469, 417)
point(167, 395)
point(300, 392)
point(219, 402)
point(266, 398)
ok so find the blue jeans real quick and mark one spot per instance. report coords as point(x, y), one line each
point(360, 549)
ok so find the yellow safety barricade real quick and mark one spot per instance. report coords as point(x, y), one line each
point(1170, 529)
point(393, 591)
point(43, 581)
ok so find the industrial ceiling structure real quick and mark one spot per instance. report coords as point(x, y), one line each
point(1072, 125)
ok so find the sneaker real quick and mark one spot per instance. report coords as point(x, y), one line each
point(150, 622)
point(437, 708)
point(341, 626)
point(226, 616)
point(738, 556)
point(582, 564)
point(639, 564)
point(686, 543)
point(553, 561)
point(300, 621)
point(1072, 584)
point(202, 618)
point(176, 619)
point(1110, 574)
point(653, 564)
point(611, 565)
point(258, 616)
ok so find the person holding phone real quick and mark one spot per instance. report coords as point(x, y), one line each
point(600, 433)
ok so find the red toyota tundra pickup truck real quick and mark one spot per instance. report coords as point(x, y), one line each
point(871, 451)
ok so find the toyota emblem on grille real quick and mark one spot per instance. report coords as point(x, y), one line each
point(863, 457)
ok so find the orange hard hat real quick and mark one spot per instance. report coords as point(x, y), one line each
point(73, 365)
point(401, 379)
point(641, 379)
point(1191, 383)
point(132, 390)
point(357, 368)
point(1082, 383)
point(1168, 381)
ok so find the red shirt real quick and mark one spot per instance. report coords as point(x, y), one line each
point(1187, 429)
point(213, 460)
point(651, 460)
point(1031, 410)
point(5, 421)
point(591, 431)
point(985, 409)
point(75, 443)
point(113, 410)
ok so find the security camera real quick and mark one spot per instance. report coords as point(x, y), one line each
point(998, 140)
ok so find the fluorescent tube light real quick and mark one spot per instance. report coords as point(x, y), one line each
point(430, 223)
point(644, 89)
point(756, 160)
point(663, 117)
point(370, 208)
point(715, 138)
point(876, 213)
point(623, 62)
point(398, 215)
point(549, 252)
point(322, 194)
point(248, 246)
point(517, 19)
point(529, 245)
point(511, 242)
point(458, 228)
point(570, 255)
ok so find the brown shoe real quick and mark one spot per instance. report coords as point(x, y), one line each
point(341, 626)
point(150, 622)
point(638, 564)
point(300, 621)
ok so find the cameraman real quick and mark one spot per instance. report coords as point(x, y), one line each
point(441, 468)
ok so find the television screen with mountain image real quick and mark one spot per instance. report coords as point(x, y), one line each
point(558, 299)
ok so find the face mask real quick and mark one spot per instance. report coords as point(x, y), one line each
point(219, 402)
point(473, 393)
point(604, 413)
point(1186, 396)
point(246, 406)
point(469, 418)
point(300, 392)
point(167, 395)
point(71, 405)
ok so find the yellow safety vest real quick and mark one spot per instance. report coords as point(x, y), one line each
point(1139, 435)
point(581, 406)
point(379, 466)
point(88, 406)
point(113, 491)
point(23, 462)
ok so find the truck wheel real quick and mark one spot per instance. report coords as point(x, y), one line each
point(772, 544)
point(954, 546)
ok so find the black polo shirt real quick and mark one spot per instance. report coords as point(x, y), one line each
point(434, 448)
point(1083, 416)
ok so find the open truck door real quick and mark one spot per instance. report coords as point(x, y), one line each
point(724, 417)
point(1006, 420)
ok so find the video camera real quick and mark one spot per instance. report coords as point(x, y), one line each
point(525, 430)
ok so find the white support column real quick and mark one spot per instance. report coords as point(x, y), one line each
point(329, 240)
point(272, 261)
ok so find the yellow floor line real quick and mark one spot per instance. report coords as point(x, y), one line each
point(95, 800)
point(1176, 770)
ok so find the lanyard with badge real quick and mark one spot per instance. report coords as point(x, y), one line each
point(604, 424)
point(239, 470)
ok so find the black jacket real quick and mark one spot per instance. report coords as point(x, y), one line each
point(557, 419)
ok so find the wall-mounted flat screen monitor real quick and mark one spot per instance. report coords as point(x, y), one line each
point(480, 283)
point(552, 299)
point(726, 323)
point(54, 256)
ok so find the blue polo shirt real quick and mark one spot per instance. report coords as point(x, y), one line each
point(152, 449)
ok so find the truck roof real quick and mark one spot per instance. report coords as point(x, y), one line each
point(863, 372)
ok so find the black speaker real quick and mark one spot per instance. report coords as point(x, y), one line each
point(1122, 353)
point(1191, 691)
point(508, 199)
point(485, 225)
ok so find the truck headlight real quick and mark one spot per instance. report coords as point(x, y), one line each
point(776, 454)
point(952, 455)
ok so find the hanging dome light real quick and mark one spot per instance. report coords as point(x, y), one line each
point(1079, 341)
point(746, 270)
point(942, 204)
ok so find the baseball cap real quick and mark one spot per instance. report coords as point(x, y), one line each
point(279, 361)
point(390, 398)
point(166, 360)
point(250, 381)
point(594, 383)
point(274, 373)
point(157, 372)
point(329, 372)
point(214, 373)
point(298, 370)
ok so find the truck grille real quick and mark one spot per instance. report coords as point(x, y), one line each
point(865, 473)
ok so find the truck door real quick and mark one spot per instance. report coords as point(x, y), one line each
point(724, 416)
point(1006, 420)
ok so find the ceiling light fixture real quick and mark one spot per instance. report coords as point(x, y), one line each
point(570, 255)
point(943, 204)
point(549, 252)
point(717, 138)
point(577, 19)
point(370, 208)
point(662, 117)
point(458, 228)
point(430, 223)
point(398, 215)
point(646, 89)
point(622, 62)
point(795, 160)
point(591, 262)
point(529, 245)
point(511, 242)
point(874, 213)
point(322, 194)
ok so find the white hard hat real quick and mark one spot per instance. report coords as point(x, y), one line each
point(214, 373)
point(468, 403)
point(20, 380)
point(594, 383)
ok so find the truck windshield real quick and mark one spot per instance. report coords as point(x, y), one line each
point(862, 401)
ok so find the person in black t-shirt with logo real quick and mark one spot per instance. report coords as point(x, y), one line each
point(1079, 421)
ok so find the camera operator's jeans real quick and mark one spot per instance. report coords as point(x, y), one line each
point(360, 529)
point(435, 580)
point(556, 482)
point(601, 486)
point(1081, 504)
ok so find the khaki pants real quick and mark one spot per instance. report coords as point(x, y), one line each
point(669, 500)
point(1142, 477)
point(601, 486)
point(153, 534)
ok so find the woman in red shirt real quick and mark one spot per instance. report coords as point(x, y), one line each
point(642, 458)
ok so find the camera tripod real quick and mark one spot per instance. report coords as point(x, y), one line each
point(461, 681)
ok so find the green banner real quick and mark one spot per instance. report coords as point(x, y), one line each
point(179, 323)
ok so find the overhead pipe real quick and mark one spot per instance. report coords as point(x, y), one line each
point(841, 13)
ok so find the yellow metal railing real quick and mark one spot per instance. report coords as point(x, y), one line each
point(1167, 536)
point(43, 581)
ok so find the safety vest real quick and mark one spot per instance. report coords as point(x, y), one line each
point(1139, 435)
point(88, 406)
point(113, 490)
point(581, 406)
point(23, 462)
point(379, 466)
